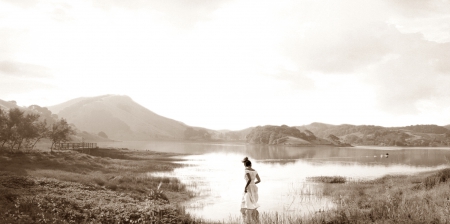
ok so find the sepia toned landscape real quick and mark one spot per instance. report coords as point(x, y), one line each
point(224, 111)
point(156, 173)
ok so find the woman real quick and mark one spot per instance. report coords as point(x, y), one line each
point(250, 198)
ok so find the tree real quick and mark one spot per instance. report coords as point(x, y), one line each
point(18, 128)
point(333, 137)
point(102, 134)
point(3, 127)
point(42, 132)
point(310, 135)
point(27, 130)
point(11, 133)
point(60, 132)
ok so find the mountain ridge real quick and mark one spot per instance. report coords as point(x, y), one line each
point(119, 117)
point(413, 135)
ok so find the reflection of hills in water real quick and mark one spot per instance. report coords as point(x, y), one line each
point(412, 157)
point(429, 157)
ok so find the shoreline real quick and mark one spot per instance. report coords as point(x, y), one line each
point(112, 185)
point(107, 185)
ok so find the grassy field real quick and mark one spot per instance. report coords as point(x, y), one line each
point(105, 186)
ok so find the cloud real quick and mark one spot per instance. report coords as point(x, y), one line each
point(183, 13)
point(392, 55)
point(19, 69)
point(298, 81)
point(10, 39)
point(60, 14)
point(412, 74)
point(343, 52)
point(419, 8)
point(403, 68)
point(22, 3)
point(12, 85)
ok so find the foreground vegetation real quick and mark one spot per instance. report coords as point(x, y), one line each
point(113, 186)
point(423, 198)
point(108, 186)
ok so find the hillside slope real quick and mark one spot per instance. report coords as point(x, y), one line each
point(285, 135)
point(119, 117)
point(57, 108)
point(413, 135)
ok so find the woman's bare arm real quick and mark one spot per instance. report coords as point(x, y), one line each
point(259, 179)
point(248, 182)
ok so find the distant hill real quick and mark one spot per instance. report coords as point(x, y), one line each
point(119, 117)
point(414, 135)
point(285, 135)
point(228, 135)
point(114, 117)
point(57, 108)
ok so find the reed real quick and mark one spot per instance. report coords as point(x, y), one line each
point(327, 179)
point(422, 198)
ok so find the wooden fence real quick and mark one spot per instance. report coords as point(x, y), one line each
point(81, 145)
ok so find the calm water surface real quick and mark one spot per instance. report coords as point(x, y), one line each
point(215, 172)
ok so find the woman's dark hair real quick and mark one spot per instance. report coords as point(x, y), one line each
point(248, 163)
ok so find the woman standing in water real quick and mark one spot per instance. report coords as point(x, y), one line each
point(250, 198)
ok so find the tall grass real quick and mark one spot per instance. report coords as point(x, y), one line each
point(422, 198)
point(328, 179)
point(110, 187)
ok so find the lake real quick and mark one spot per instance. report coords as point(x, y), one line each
point(215, 173)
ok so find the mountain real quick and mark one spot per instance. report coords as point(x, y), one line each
point(114, 117)
point(57, 108)
point(119, 117)
point(414, 135)
point(285, 135)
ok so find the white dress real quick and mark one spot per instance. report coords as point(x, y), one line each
point(250, 199)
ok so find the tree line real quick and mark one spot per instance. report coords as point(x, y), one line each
point(22, 129)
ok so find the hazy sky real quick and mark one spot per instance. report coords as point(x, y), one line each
point(235, 64)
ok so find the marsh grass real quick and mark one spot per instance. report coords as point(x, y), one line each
point(422, 198)
point(327, 179)
point(194, 186)
point(114, 186)
point(108, 186)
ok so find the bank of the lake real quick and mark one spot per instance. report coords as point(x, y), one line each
point(105, 186)
point(113, 186)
